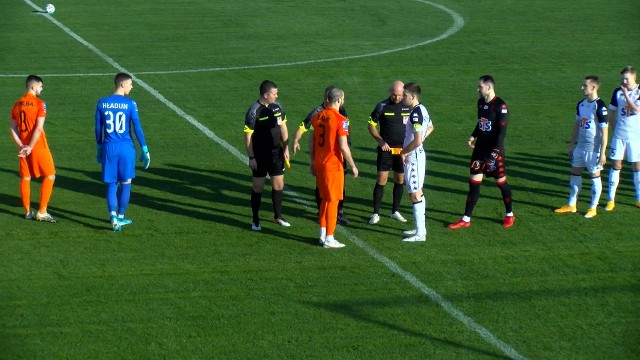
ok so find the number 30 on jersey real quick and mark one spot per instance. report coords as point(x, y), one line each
point(115, 122)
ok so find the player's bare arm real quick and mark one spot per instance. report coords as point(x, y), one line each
point(604, 141)
point(572, 139)
point(414, 144)
point(373, 130)
point(284, 136)
point(312, 170)
point(37, 132)
point(249, 145)
point(429, 131)
point(296, 140)
point(346, 152)
point(16, 139)
point(633, 107)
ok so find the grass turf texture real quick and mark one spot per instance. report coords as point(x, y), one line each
point(188, 279)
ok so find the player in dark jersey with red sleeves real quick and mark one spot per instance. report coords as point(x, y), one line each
point(487, 142)
point(266, 139)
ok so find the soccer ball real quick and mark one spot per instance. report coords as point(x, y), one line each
point(50, 8)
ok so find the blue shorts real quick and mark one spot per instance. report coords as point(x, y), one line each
point(119, 163)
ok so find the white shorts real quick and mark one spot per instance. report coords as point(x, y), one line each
point(586, 159)
point(625, 147)
point(415, 170)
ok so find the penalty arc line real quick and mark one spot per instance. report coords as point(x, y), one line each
point(391, 265)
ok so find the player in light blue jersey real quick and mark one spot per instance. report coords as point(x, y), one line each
point(116, 116)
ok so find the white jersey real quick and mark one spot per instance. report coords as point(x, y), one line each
point(627, 125)
point(592, 118)
point(419, 120)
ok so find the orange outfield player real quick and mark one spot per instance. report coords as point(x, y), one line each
point(27, 130)
point(328, 147)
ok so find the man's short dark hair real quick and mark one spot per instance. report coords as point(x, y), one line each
point(413, 89)
point(487, 79)
point(31, 80)
point(266, 86)
point(593, 78)
point(120, 78)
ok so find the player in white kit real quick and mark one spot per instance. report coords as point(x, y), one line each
point(419, 126)
point(587, 146)
point(624, 120)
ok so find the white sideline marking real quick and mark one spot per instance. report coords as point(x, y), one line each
point(458, 23)
point(433, 295)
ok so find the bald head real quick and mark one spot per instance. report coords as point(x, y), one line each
point(395, 91)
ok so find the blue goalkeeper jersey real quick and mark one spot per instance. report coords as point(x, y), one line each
point(116, 115)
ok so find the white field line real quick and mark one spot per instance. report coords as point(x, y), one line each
point(458, 23)
point(391, 265)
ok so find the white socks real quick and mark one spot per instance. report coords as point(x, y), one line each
point(614, 179)
point(575, 184)
point(596, 191)
point(419, 211)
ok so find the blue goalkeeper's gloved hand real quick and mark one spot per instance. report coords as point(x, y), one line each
point(99, 153)
point(145, 158)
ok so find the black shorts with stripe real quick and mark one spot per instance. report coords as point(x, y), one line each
point(386, 161)
point(271, 163)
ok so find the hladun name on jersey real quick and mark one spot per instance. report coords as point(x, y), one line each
point(123, 106)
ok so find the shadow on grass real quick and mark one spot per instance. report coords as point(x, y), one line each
point(202, 194)
point(356, 312)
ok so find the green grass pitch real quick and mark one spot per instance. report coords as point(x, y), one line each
point(189, 280)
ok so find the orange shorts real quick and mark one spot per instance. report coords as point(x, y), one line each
point(39, 163)
point(330, 184)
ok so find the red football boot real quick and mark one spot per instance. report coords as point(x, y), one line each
point(459, 224)
point(508, 221)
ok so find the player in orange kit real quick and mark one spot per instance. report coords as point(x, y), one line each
point(329, 148)
point(27, 130)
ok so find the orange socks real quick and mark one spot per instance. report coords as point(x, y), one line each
point(25, 194)
point(45, 194)
point(331, 216)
